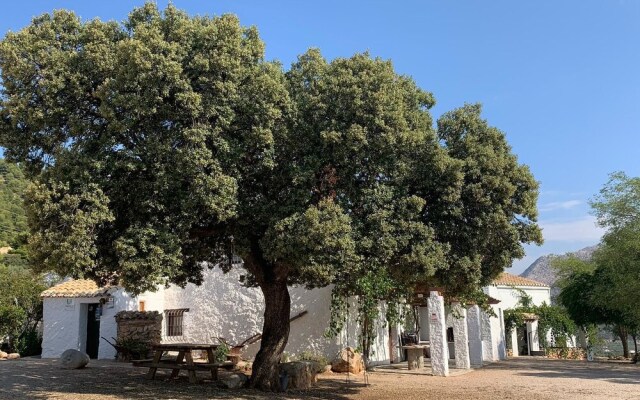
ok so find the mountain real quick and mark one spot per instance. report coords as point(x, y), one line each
point(540, 270)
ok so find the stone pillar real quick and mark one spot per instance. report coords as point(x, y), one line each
point(415, 357)
point(438, 335)
point(461, 336)
point(489, 352)
point(514, 342)
point(394, 344)
point(475, 336)
point(499, 336)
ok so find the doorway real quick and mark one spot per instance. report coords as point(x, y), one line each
point(523, 341)
point(93, 329)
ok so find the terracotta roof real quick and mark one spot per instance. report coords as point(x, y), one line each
point(507, 279)
point(75, 288)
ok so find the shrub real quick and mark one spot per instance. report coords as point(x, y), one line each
point(29, 344)
point(220, 355)
point(312, 356)
point(130, 348)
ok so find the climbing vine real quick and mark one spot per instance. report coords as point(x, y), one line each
point(553, 319)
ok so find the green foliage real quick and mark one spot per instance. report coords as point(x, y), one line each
point(618, 203)
point(513, 318)
point(604, 290)
point(29, 344)
point(167, 143)
point(553, 319)
point(20, 306)
point(220, 355)
point(309, 355)
point(132, 348)
point(13, 220)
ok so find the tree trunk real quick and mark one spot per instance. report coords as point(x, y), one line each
point(623, 334)
point(275, 334)
point(636, 356)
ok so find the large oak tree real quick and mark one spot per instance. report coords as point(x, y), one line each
point(167, 144)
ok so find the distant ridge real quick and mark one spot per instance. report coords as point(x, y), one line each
point(540, 270)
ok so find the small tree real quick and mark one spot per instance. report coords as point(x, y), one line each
point(20, 308)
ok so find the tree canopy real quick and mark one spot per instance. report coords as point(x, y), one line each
point(167, 144)
point(13, 220)
point(604, 290)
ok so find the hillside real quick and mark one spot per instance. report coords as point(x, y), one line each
point(12, 216)
point(541, 270)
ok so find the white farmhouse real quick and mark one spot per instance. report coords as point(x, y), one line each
point(78, 314)
point(508, 289)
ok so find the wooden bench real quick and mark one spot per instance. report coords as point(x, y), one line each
point(184, 361)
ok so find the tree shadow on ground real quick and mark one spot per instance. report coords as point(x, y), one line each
point(624, 373)
point(41, 379)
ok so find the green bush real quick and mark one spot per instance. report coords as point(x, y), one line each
point(311, 356)
point(29, 344)
point(220, 355)
point(130, 348)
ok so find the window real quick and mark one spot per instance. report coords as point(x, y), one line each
point(449, 334)
point(174, 321)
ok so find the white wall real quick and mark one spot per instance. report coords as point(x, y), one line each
point(61, 326)
point(65, 325)
point(509, 297)
point(221, 307)
point(108, 326)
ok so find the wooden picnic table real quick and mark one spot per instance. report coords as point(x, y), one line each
point(183, 361)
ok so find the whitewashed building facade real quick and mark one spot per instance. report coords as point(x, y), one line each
point(78, 314)
point(220, 307)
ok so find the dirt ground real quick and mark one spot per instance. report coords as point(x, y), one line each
point(521, 378)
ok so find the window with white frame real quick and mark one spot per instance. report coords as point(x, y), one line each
point(174, 322)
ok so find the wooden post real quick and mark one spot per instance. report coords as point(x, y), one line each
point(211, 359)
point(176, 371)
point(190, 371)
point(156, 359)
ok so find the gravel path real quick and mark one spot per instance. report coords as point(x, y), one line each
point(522, 378)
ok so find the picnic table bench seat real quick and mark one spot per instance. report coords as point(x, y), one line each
point(184, 361)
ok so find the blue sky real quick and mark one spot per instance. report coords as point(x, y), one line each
point(562, 79)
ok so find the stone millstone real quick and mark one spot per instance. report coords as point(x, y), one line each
point(347, 360)
point(73, 359)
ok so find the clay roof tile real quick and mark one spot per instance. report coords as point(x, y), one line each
point(507, 279)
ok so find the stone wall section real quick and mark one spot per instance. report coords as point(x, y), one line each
point(144, 326)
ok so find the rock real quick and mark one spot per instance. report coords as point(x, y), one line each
point(3, 354)
point(13, 356)
point(73, 359)
point(327, 369)
point(347, 360)
point(301, 374)
point(233, 381)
